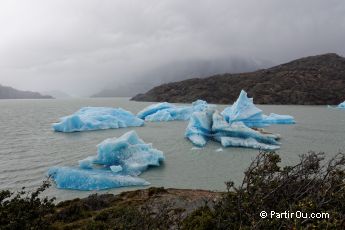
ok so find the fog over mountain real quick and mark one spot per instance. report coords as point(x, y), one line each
point(84, 46)
point(181, 70)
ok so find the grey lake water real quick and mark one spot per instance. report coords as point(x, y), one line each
point(28, 146)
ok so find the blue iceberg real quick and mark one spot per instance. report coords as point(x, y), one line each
point(221, 128)
point(210, 124)
point(169, 112)
point(87, 180)
point(95, 118)
point(245, 111)
point(199, 128)
point(118, 163)
point(153, 109)
point(340, 106)
point(274, 118)
point(128, 151)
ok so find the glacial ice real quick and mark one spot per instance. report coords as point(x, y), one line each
point(245, 111)
point(221, 128)
point(199, 128)
point(95, 179)
point(340, 106)
point(169, 112)
point(210, 124)
point(118, 163)
point(94, 118)
point(128, 151)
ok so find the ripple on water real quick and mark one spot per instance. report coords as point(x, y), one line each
point(28, 146)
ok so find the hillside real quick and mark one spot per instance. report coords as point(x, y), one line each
point(314, 80)
point(11, 93)
point(178, 71)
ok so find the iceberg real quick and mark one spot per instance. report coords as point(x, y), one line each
point(199, 128)
point(245, 111)
point(340, 106)
point(129, 151)
point(274, 118)
point(118, 163)
point(247, 143)
point(153, 109)
point(221, 128)
point(87, 180)
point(95, 118)
point(169, 112)
point(210, 124)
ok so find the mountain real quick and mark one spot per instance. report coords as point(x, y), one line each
point(180, 70)
point(314, 80)
point(11, 93)
point(57, 94)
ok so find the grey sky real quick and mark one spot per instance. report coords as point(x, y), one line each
point(80, 46)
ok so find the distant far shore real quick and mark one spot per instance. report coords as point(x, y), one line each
point(315, 80)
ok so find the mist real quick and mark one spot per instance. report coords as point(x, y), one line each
point(83, 46)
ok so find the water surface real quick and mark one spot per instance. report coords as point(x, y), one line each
point(28, 146)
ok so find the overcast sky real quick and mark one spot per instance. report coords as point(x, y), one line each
point(80, 46)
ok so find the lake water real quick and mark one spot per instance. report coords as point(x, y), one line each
point(28, 146)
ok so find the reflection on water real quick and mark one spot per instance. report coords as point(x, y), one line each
point(28, 146)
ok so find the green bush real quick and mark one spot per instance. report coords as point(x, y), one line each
point(25, 210)
point(309, 187)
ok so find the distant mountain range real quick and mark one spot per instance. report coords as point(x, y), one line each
point(314, 80)
point(180, 70)
point(57, 94)
point(11, 93)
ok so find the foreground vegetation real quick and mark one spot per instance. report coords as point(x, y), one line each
point(311, 186)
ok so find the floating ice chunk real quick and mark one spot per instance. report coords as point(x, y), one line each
point(199, 128)
point(122, 159)
point(116, 168)
point(84, 179)
point(242, 110)
point(168, 112)
point(153, 109)
point(86, 163)
point(340, 106)
point(219, 150)
point(246, 142)
point(161, 115)
point(221, 128)
point(200, 105)
point(94, 118)
point(245, 111)
point(128, 151)
point(274, 118)
point(171, 114)
point(210, 124)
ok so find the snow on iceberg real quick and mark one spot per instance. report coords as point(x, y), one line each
point(121, 159)
point(169, 112)
point(211, 125)
point(245, 111)
point(94, 118)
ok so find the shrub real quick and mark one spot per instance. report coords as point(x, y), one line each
point(309, 187)
point(25, 210)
